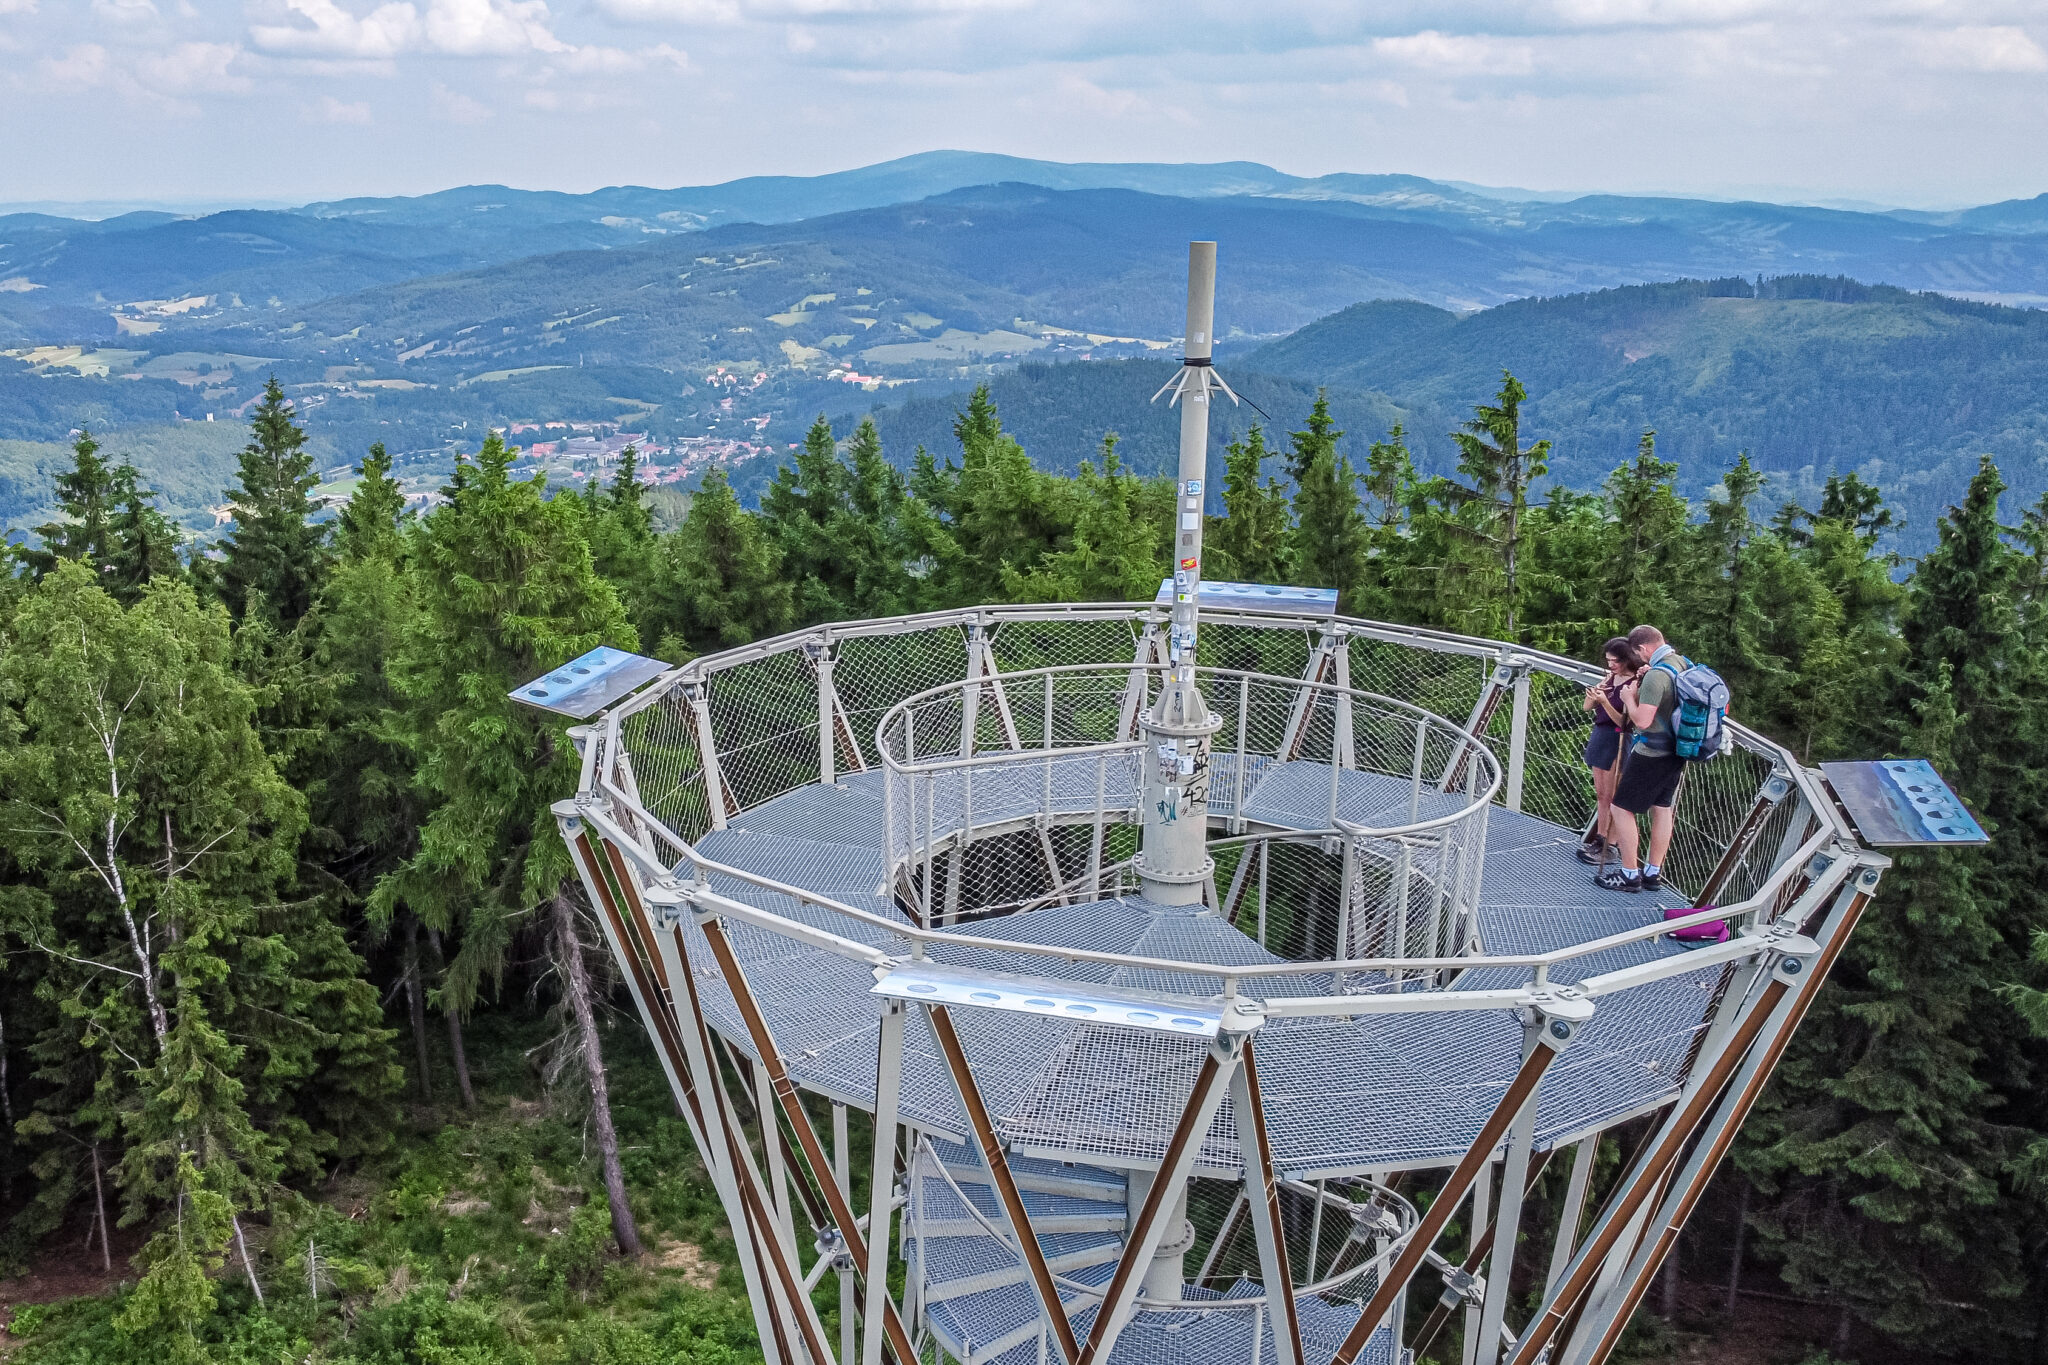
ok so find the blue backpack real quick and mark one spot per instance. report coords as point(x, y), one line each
point(1699, 709)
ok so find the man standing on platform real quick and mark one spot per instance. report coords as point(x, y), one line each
point(1650, 777)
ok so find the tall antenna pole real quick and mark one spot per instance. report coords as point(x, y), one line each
point(1174, 863)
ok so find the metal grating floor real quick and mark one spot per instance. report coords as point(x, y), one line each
point(1341, 1095)
point(978, 1303)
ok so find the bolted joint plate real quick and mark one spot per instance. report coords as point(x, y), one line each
point(668, 904)
point(1561, 1014)
point(934, 983)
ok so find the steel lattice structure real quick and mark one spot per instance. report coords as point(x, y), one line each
point(1162, 942)
point(890, 865)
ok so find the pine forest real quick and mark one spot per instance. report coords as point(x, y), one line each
point(311, 1051)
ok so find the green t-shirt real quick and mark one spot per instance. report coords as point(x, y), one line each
point(1656, 690)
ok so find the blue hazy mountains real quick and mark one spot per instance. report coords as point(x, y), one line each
point(735, 313)
point(1338, 238)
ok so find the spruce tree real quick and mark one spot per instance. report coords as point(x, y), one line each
point(868, 533)
point(1331, 541)
point(143, 541)
point(801, 505)
point(275, 552)
point(1122, 540)
point(1249, 542)
point(506, 590)
point(621, 532)
point(1492, 506)
point(994, 512)
point(719, 581)
point(1881, 1141)
point(89, 497)
point(1649, 523)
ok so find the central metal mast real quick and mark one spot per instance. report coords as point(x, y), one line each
point(1174, 864)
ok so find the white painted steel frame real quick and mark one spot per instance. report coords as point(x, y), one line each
point(609, 806)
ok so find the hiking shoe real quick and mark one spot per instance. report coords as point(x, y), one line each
point(1618, 879)
point(1593, 855)
point(1653, 880)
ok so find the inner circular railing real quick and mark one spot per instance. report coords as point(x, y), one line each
point(1015, 792)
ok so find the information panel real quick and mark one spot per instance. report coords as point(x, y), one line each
point(1901, 803)
point(586, 685)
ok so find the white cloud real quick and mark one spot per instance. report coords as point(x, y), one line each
point(456, 107)
point(712, 13)
point(458, 28)
point(328, 109)
point(80, 67)
point(490, 28)
point(380, 35)
point(2001, 48)
point(1456, 52)
point(191, 69)
point(606, 61)
point(126, 13)
point(696, 12)
point(17, 6)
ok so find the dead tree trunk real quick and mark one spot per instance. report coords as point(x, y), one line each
point(1741, 1236)
point(99, 1205)
point(454, 1029)
point(416, 1002)
point(576, 986)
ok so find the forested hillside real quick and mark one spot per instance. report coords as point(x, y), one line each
point(310, 1053)
point(1810, 376)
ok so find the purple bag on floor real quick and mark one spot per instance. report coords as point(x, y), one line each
point(1713, 931)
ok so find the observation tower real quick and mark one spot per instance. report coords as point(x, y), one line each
point(1192, 963)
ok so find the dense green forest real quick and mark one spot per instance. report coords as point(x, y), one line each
point(310, 1055)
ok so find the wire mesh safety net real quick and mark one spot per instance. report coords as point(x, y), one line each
point(1001, 800)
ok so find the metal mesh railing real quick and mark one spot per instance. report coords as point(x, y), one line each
point(1043, 701)
point(1021, 788)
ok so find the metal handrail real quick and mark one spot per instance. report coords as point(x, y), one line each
point(701, 669)
point(922, 939)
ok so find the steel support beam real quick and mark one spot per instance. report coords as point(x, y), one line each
point(783, 1093)
point(777, 1267)
point(1262, 1202)
point(1475, 1307)
point(1584, 1157)
point(1144, 1233)
point(1602, 1326)
point(1627, 1209)
point(1507, 1221)
point(1518, 739)
point(717, 795)
point(1012, 1198)
point(1564, 1015)
point(882, 1173)
point(1481, 1247)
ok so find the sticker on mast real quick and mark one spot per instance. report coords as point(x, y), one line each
point(1188, 563)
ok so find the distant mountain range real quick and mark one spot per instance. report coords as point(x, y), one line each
point(420, 321)
point(70, 280)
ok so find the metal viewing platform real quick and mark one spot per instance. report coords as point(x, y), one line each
point(1164, 953)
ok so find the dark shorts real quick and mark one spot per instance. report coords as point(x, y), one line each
point(1648, 780)
point(1603, 748)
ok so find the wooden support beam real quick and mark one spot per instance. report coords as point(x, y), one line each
point(1774, 790)
point(1262, 1202)
point(1474, 1258)
point(1691, 1185)
point(1141, 1237)
point(1550, 1040)
point(1012, 1198)
point(1647, 1177)
point(835, 1204)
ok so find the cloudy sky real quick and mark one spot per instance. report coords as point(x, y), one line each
point(1912, 102)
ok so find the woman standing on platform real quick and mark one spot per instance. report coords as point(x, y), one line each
point(1604, 748)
